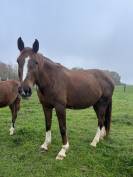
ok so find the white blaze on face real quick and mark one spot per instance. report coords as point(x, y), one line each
point(25, 68)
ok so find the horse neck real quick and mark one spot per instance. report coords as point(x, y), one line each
point(45, 73)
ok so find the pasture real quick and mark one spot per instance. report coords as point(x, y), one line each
point(20, 155)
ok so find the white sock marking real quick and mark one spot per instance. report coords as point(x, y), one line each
point(47, 140)
point(12, 130)
point(103, 133)
point(62, 152)
point(96, 138)
point(25, 68)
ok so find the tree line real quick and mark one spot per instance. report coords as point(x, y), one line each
point(115, 76)
point(8, 71)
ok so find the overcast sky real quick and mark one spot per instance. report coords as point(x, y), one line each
point(76, 33)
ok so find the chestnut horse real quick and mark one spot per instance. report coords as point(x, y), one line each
point(61, 88)
point(9, 96)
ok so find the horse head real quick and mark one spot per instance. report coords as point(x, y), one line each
point(27, 67)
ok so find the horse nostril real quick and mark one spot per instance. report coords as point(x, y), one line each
point(30, 92)
point(26, 92)
point(20, 90)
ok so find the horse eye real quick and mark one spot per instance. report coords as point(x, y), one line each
point(36, 62)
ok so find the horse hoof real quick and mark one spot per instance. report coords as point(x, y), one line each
point(93, 144)
point(12, 130)
point(44, 148)
point(11, 133)
point(101, 137)
point(60, 157)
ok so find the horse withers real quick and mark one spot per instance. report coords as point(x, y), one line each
point(9, 96)
point(61, 88)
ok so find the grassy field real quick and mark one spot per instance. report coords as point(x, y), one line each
point(20, 155)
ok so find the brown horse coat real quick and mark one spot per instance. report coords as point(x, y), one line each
point(9, 96)
point(8, 92)
point(61, 88)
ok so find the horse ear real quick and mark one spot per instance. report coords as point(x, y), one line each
point(35, 47)
point(20, 44)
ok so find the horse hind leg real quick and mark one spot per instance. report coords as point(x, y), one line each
point(61, 115)
point(14, 107)
point(107, 121)
point(100, 109)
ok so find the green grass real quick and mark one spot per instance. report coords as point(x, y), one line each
point(20, 155)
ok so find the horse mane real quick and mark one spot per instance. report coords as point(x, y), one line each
point(46, 60)
point(42, 59)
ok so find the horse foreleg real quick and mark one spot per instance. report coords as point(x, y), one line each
point(48, 122)
point(61, 114)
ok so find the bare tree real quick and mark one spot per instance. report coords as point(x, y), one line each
point(8, 71)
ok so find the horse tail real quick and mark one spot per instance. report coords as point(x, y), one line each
point(107, 121)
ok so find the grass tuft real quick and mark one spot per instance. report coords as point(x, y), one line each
point(20, 155)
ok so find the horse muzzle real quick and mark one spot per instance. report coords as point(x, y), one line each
point(25, 92)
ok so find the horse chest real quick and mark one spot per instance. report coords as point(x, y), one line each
point(45, 96)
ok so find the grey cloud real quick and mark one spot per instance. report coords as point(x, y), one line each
point(89, 34)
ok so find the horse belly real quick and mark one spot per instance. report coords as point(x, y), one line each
point(3, 104)
point(6, 99)
point(3, 100)
point(82, 100)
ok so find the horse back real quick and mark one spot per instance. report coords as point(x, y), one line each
point(85, 87)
